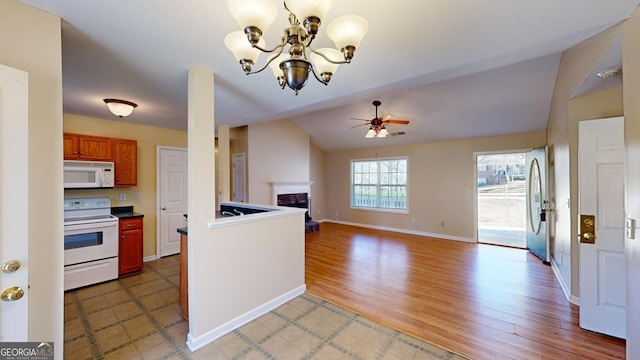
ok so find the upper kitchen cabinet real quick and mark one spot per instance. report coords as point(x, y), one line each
point(122, 152)
point(126, 162)
point(86, 147)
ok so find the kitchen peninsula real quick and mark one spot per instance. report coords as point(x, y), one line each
point(251, 261)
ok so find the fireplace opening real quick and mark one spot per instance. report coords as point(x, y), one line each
point(303, 201)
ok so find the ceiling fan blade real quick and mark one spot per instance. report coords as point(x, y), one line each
point(360, 119)
point(355, 126)
point(394, 121)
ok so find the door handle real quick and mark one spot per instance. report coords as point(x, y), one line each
point(12, 294)
point(11, 266)
point(164, 208)
point(587, 229)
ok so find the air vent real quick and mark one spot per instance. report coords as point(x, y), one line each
point(609, 73)
point(398, 133)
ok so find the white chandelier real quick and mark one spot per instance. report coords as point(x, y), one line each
point(292, 68)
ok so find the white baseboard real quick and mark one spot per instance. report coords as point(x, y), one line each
point(150, 258)
point(563, 285)
point(195, 343)
point(405, 231)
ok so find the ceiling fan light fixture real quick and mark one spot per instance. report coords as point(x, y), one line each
point(120, 108)
point(371, 133)
point(376, 125)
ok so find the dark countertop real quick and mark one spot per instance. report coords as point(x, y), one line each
point(183, 231)
point(124, 212)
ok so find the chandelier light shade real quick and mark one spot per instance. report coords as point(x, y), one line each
point(246, 54)
point(256, 13)
point(347, 31)
point(324, 67)
point(293, 58)
point(120, 108)
point(306, 9)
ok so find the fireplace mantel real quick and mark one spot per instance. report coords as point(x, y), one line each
point(289, 187)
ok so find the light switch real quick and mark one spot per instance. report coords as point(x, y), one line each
point(123, 197)
point(630, 227)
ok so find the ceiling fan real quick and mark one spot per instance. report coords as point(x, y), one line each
point(376, 125)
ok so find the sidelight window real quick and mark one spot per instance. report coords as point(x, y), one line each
point(379, 184)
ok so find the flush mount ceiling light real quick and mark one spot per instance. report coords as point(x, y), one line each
point(120, 108)
point(291, 68)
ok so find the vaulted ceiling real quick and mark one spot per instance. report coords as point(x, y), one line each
point(455, 69)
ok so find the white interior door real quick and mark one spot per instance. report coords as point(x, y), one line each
point(14, 236)
point(537, 204)
point(172, 198)
point(239, 177)
point(602, 263)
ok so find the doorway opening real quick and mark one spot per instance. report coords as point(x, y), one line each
point(501, 199)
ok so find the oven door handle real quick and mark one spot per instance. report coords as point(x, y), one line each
point(90, 225)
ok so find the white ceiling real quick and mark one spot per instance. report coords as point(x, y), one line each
point(455, 69)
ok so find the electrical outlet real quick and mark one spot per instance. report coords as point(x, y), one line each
point(136, 196)
point(123, 197)
point(413, 219)
point(441, 223)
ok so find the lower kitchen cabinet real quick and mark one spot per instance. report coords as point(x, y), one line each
point(130, 246)
point(183, 299)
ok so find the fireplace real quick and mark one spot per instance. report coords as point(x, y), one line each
point(295, 194)
point(299, 200)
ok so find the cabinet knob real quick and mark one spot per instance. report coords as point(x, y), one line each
point(122, 237)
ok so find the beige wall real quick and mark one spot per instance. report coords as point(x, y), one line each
point(575, 66)
point(148, 138)
point(631, 83)
point(278, 151)
point(317, 176)
point(30, 41)
point(441, 184)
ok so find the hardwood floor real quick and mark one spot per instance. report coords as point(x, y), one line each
point(481, 301)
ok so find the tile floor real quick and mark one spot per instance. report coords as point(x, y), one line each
point(138, 318)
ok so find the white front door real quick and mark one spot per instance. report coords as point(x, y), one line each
point(602, 258)
point(537, 204)
point(172, 198)
point(239, 179)
point(14, 237)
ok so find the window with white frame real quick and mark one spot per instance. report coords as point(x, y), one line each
point(379, 183)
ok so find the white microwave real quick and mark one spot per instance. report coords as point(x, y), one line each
point(88, 174)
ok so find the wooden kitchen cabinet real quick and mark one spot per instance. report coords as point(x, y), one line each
point(87, 147)
point(123, 153)
point(126, 162)
point(183, 299)
point(130, 246)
